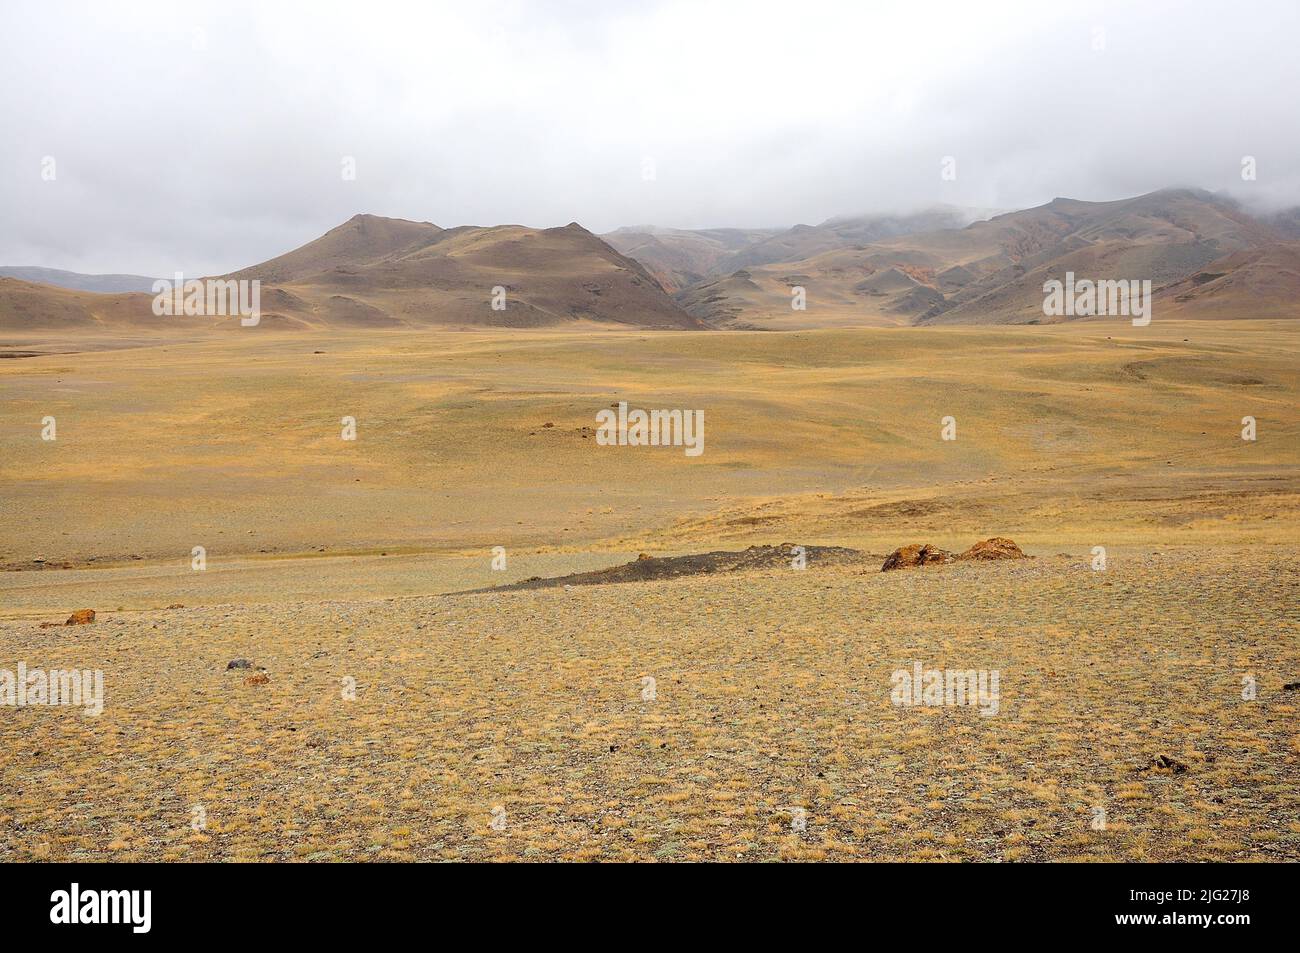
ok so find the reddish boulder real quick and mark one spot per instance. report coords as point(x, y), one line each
point(81, 617)
point(999, 547)
point(916, 555)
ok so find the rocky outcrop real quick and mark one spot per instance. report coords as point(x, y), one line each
point(916, 555)
point(923, 554)
point(999, 547)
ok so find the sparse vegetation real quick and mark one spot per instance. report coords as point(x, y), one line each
point(772, 693)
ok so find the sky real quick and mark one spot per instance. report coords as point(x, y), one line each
point(148, 138)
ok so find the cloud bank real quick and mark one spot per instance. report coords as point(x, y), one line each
point(147, 139)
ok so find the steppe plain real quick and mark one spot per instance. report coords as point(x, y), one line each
point(331, 560)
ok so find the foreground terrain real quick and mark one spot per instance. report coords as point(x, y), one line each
point(771, 693)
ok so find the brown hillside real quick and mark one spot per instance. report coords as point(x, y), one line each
point(25, 305)
point(1259, 282)
point(375, 272)
point(361, 240)
point(446, 277)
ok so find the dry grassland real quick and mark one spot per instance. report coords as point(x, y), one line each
point(332, 561)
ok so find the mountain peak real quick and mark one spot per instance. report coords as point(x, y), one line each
point(374, 271)
point(366, 218)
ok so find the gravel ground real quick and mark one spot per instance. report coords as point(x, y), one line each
point(522, 725)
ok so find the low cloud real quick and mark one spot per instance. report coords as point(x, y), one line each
point(206, 139)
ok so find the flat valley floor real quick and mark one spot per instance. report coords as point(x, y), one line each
point(1143, 710)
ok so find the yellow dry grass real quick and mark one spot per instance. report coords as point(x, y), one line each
point(233, 441)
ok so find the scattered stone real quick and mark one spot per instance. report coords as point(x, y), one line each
point(238, 663)
point(999, 547)
point(257, 678)
point(917, 554)
point(175, 605)
point(81, 617)
point(548, 424)
point(1291, 687)
point(1165, 763)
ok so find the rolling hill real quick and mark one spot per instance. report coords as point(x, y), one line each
point(380, 272)
point(373, 272)
point(28, 306)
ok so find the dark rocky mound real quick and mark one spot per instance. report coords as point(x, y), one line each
point(645, 568)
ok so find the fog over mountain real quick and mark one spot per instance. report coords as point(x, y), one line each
point(146, 139)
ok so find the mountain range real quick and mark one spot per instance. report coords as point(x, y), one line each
point(680, 258)
point(1205, 257)
point(1204, 254)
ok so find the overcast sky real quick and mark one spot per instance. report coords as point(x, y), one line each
point(208, 136)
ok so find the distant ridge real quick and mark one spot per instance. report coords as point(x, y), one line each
point(75, 281)
point(680, 258)
point(1203, 254)
point(1188, 241)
